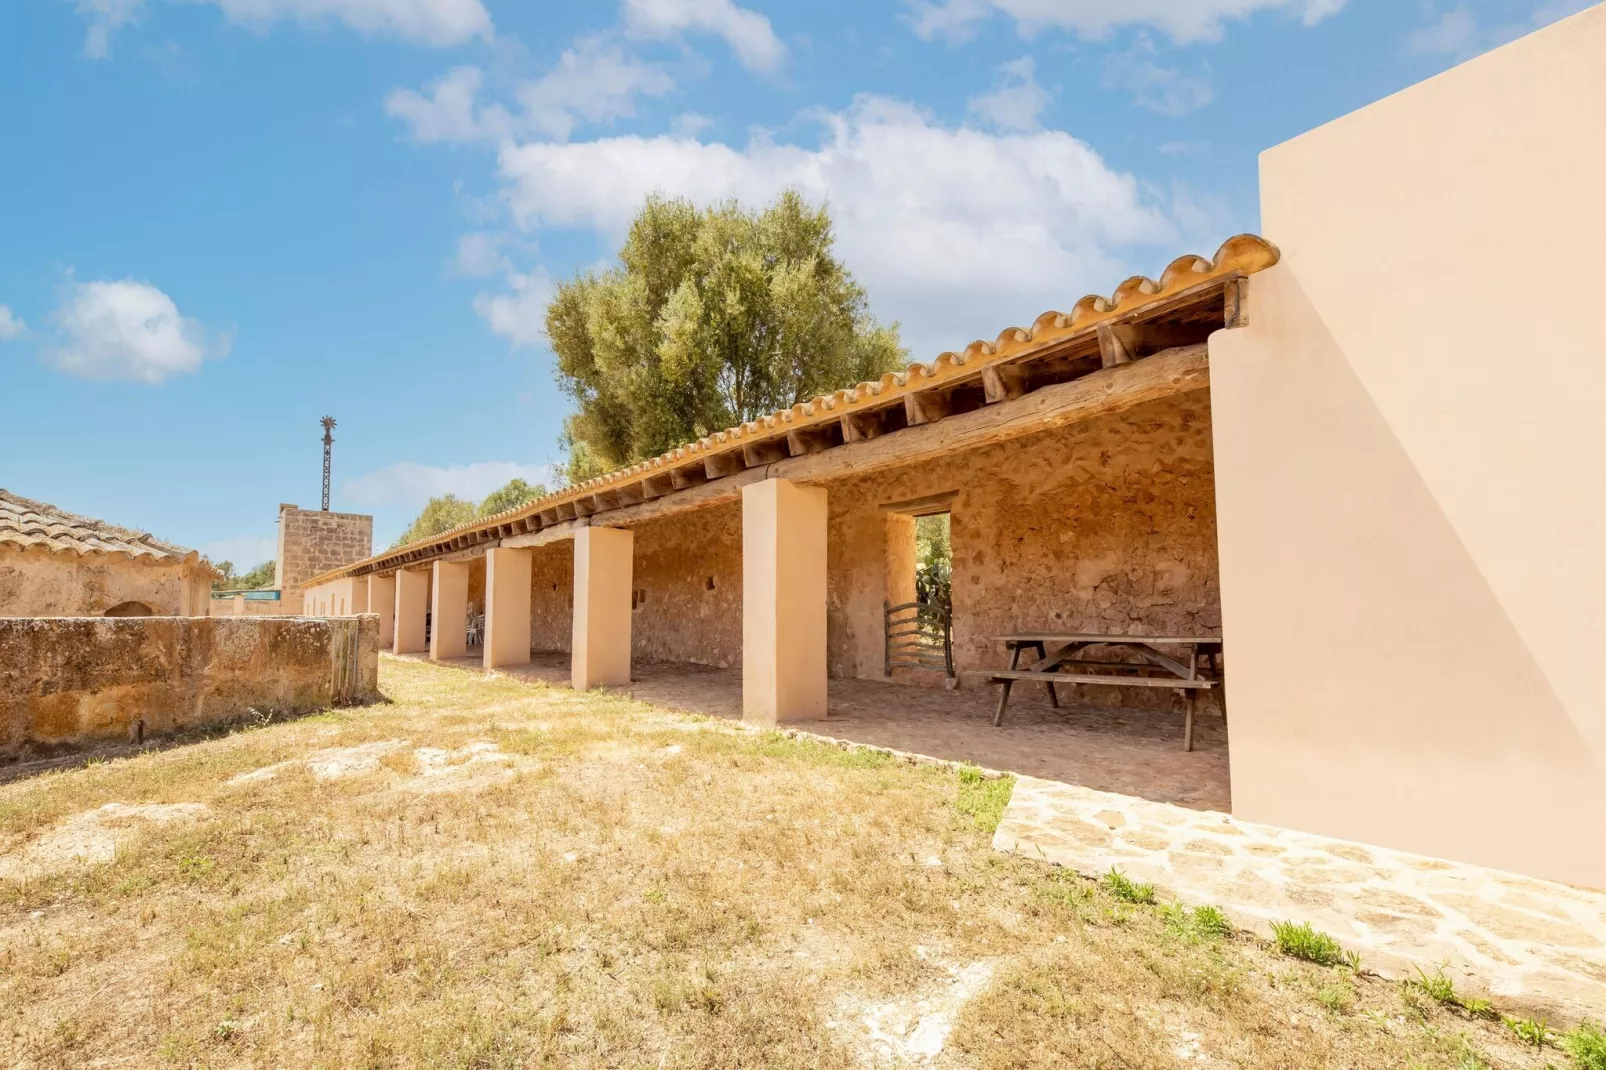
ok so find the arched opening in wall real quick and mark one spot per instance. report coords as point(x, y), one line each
point(130, 609)
point(918, 615)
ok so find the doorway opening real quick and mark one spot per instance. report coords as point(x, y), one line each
point(918, 610)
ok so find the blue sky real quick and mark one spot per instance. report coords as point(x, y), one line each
point(223, 219)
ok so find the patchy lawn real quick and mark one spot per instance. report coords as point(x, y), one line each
point(490, 873)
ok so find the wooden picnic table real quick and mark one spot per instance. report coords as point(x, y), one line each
point(1147, 666)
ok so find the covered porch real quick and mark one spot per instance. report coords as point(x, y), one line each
point(1130, 751)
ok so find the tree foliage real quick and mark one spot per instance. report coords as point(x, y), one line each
point(712, 318)
point(512, 493)
point(448, 511)
point(438, 515)
point(934, 559)
point(229, 580)
point(257, 578)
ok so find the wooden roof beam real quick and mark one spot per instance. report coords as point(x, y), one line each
point(720, 465)
point(861, 426)
point(691, 476)
point(756, 454)
point(1003, 382)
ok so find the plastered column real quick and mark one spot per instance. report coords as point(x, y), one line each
point(449, 611)
point(507, 607)
point(359, 597)
point(382, 600)
point(603, 575)
point(412, 602)
point(783, 602)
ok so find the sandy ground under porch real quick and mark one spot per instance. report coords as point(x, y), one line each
point(1127, 751)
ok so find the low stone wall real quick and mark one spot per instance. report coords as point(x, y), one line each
point(74, 680)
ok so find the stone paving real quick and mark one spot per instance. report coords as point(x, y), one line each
point(1524, 943)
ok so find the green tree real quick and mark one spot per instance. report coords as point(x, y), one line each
point(712, 318)
point(257, 578)
point(513, 492)
point(438, 515)
point(934, 559)
point(224, 580)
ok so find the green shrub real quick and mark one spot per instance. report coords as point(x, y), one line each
point(1117, 884)
point(1210, 921)
point(1298, 940)
point(1587, 1046)
point(1535, 1031)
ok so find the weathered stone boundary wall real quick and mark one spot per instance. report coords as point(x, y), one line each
point(74, 680)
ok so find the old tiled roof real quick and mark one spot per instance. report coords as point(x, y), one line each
point(26, 523)
point(1179, 293)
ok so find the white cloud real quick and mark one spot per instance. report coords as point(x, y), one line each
point(245, 551)
point(480, 253)
point(1454, 33)
point(11, 325)
point(748, 33)
point(430, 22)
point(957, 232)
point(128, 330)
point(1015, 100)
point(1181, 20)
point(1161, 89)
point(450, 112)
point(411, 485)
point(595, 81)
point(106, 17)
point(520, 314)
point(689, 124)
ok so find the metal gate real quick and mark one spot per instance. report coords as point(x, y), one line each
point(920, 635)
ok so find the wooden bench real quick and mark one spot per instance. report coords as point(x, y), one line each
point(1062, 666)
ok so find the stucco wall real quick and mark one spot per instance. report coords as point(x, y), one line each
point(1108, 526)
point(239, 606)
point(1408, 452)
point(76, 679)
point(688, 581)
point(41, 583)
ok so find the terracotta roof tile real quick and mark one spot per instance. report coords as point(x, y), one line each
point(26, 523)
point(1239, 256)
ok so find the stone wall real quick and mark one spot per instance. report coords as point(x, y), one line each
point(1107, 526)
point(688, 581)
point(42, 583)
point(77, 680)
point(312, 542)
point(552, 597)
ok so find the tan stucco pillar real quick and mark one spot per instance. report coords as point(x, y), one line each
point(507, 607)
point(603, 575)
point(382, 600)
point(783, 602)
point(448, 623)
point(412, 602)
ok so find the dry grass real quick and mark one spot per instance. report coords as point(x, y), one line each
point(618, 885)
